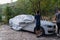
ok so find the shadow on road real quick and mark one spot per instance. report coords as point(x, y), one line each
point(52, 35)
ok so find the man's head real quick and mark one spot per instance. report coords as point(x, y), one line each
point(37, 12)
point(59, 10)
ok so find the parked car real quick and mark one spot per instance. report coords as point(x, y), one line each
point(27, 22)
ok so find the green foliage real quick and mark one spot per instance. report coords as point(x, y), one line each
point(8, 13)
point(46, 7)
point(24, 6)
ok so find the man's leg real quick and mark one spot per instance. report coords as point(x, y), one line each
point(58, 25)
point(37, 30)
point(59, 29)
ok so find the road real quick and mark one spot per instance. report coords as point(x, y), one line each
point(6, 33)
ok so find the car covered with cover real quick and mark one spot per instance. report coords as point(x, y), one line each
point(27, 22)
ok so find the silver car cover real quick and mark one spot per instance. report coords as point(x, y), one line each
point(21, 21)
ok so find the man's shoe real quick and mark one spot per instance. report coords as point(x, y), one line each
point(38, 36)
point(58, 35)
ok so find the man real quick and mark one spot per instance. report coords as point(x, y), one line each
point(58, 21)
point(37, 18)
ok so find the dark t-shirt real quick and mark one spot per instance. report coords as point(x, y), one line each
point(37, 18)
point(58, 17)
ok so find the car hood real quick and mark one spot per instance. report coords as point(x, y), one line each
point(44, 22)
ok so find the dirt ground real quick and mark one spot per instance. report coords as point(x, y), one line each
point(6, 33)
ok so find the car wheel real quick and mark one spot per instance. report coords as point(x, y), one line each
point(39, 32)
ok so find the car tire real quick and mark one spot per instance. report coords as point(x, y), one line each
point(39, 32)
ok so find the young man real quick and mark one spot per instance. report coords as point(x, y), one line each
point(58, 21)
point(37, 18)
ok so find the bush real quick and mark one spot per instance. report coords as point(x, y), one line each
point(8, 13)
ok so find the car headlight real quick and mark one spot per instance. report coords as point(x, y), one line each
point(49, 26)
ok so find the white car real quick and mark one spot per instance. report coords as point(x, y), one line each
point(27, 22)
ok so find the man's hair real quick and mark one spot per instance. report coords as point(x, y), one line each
point(58, 9)
point(38, 12)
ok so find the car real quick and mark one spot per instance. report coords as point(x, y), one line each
point(27, 22)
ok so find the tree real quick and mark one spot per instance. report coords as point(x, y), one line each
point(7, 13)
point(46, 7)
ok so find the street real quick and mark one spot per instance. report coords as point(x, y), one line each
point(6, 33)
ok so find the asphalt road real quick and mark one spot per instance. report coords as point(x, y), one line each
point(6, 33)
